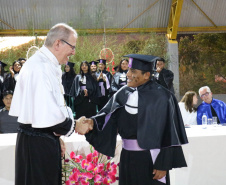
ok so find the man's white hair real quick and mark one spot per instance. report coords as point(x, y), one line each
point(60, 31)
point(204, 87)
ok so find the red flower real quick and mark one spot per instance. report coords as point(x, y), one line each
point(78, 158)
point(90, 167)
point(89, 157)
point(72, 155)
point(98, 180)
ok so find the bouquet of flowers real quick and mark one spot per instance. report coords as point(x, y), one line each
point(94, 169)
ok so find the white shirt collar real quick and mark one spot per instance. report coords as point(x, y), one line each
point(49, 55)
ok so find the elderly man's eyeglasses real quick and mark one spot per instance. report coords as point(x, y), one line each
point(72, 47)
point(205, 94)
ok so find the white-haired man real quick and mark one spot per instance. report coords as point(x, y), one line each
point(38, 103)
point(210, 106)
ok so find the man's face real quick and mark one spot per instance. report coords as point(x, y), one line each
point(65, 50)
point(160, 65)
point(206, 96)
point(101, 66)
point(93, 68)
point(7, 101)
point(135, 78)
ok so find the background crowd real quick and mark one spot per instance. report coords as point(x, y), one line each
point(88, 92)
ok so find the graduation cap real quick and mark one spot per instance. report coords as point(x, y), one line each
point(103, 61)
point(2, 64)
point(70, 64)
point(141, 62)
point(93, 63)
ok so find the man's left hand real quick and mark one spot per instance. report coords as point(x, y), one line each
point(63, 147)
point(158, 174)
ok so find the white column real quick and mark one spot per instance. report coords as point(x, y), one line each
point(173, 65)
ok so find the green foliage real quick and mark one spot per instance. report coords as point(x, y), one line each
point(202, 62)
point(88, 47)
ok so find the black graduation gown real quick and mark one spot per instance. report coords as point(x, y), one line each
point(104, 99)
point(9, 83)
point(38, 154)
point(118, 82)
point(159, 125)
point(67, 81)
point(85, 105)
point(166, 79)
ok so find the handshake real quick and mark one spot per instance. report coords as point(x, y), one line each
point(83, 125)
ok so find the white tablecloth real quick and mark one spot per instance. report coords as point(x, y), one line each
point(205, 155)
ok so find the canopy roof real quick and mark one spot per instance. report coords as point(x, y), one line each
point(30, 17)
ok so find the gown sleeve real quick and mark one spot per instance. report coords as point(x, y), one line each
point(170, 157)
point(64, 128)
point(104, 141)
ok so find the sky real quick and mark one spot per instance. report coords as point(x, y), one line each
point(8, 42)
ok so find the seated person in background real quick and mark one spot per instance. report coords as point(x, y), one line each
point(188, 111)
point(8, 124)
point(210, 106)
point(164, 76)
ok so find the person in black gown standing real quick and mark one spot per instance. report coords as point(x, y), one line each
point(85, 91)
point(119, 78)
point(147, 117)
point(67, 80)
point(104, 79)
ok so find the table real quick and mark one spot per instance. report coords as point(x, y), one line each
point(205, 155)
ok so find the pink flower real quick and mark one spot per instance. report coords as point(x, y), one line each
point(72, 155)
point(84, 164)
point(74, 176)
point(98, 180)
point(90, 167)
point(99, 168)
point(89, 157)
point(95, 157)
point(78, 158)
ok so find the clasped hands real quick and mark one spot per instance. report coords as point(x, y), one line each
point(83, 125)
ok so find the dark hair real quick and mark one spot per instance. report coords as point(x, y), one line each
point(188, 101)
point(20, 59)
point(13, 65)
point(119, 66)
point(7, 92)
point(84, 62)
point(70, 73)
point(160, 59)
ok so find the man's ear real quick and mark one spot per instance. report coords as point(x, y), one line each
point(56, 45)
point(147, 75)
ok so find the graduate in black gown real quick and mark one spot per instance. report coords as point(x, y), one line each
point(164, 76)
point(119, 78)
point(93, 66)
point(11, 79)
point(104, 79)
point(147, 117)
point(67, 80)
point(85, 91)
point(2, 78)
